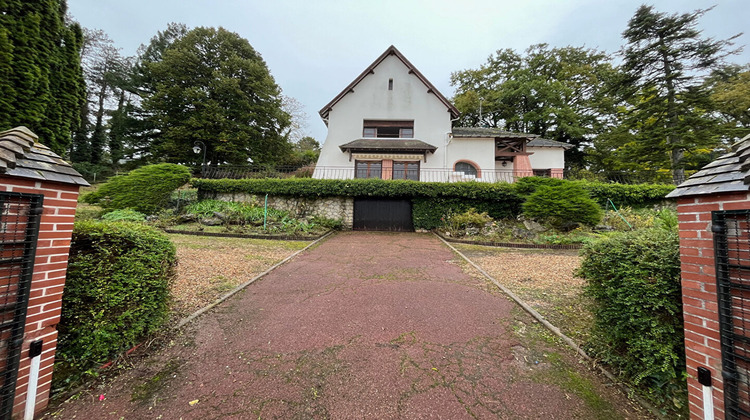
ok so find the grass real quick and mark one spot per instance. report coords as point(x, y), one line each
point(149, 388)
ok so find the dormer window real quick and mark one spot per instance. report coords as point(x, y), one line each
point(388, 129)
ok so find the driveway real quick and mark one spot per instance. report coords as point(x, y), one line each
point(365, 325)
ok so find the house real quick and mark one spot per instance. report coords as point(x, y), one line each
point(392, 123)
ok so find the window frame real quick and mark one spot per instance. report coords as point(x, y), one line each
point(406, 170)
point(369, 169)
point(477, 173)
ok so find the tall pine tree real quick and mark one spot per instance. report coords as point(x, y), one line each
point(41, 82)
point(666, 58)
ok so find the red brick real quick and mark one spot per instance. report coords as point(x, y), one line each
point(722, 197)
point(737, 205)
point(688, 234)
point(682, 217)
point(69, 196)
point(698, 260)
point(696, 243)
point(15, 181)
point(699, 208)
point(691, 302)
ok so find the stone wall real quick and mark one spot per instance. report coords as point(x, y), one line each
point(340, 208)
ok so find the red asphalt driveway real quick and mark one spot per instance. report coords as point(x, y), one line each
point(365, 325)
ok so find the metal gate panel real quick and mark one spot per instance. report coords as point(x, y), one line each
point(382, 214)
point(732, 248)
point(19, 230)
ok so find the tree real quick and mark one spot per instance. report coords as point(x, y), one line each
point(730, 94)
point(297, 118)
point(666, 59)
point(557, 93)
point(210, 85)
point(41, 82)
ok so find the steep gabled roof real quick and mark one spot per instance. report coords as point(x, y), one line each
point(371, 69)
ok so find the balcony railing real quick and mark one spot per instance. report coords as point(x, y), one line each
point(425, 174)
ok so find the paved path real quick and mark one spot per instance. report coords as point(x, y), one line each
point(365, 325)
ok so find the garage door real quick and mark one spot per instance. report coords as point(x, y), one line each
point(382, 214)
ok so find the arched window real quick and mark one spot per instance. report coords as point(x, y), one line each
point(467, 168)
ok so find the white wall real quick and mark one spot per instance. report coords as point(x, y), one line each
point(372, 100)
point(547, 157)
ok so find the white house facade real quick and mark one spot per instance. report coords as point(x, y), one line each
point(392, 123)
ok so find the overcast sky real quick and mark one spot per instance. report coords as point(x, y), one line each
point(314, 48)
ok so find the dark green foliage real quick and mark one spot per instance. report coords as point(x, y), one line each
point(146, 189)
point(116, 292)
point(234, 212)
point(623, 195)
point(126, 215)
point(41, 81)
point(634, 279)
point(94, 173)
point(430, 213)
point(564, 206)
point(308, 187)
point(210, 85)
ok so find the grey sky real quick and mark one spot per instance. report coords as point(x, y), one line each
point(314, 48)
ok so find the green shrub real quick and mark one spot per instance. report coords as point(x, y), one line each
point(623, 195)
point(117, 291)
point(126, 215)
point(634, 279)
point(234, 212)
point(334, 224)
point(458, 222)
point(430, 213)
point(563, 206)
point(146, 189)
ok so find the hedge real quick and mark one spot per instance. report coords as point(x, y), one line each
point(309, 187)
point(634, 279)
point(623, 195)
point(117, 291)
point(432, 200)
point(146, 189)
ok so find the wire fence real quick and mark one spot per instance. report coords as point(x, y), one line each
point(429, 174)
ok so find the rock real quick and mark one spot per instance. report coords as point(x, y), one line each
point(220, 216)
point(186, 218)
point(471, 231)
point(523, 233)
point(533, 226)
point(211, 222)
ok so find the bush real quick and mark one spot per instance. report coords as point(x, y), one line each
point(126, 215)
point(429, 213)
point(117, 291)
point(146, 189)
point(457, 223)
point(563, 206)
point(634, 279)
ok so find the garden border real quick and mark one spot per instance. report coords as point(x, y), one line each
point(507, 244)
point(249, 236)
point(572, 344)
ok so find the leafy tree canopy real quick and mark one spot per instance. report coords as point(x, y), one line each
point(210, 85)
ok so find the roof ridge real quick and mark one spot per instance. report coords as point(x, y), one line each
point(392, 50)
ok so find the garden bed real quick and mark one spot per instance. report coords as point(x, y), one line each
point(223, 233)
point(478, 241)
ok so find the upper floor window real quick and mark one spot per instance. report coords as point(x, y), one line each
point(388, 129)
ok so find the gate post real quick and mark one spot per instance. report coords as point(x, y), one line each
point(30, 168)
point(708, 205)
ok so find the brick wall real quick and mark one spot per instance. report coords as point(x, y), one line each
point(699, 301)
point(45, 299)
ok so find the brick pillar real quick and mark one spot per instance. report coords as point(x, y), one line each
point(699, 294)
point(387, 172)
point(522, 167)
point(50, 267)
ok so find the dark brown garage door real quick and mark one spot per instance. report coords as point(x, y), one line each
point(382, 214)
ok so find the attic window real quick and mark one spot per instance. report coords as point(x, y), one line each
point(388, 129)
point(390, 84)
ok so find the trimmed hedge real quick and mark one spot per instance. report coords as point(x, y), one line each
point(146, 189)
point(427, 213)
point(309, 187)
point(634, 279)
point(623, 195)
point(117, 291)
point(432, 200)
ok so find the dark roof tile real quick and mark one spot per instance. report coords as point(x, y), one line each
point(24, 157)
